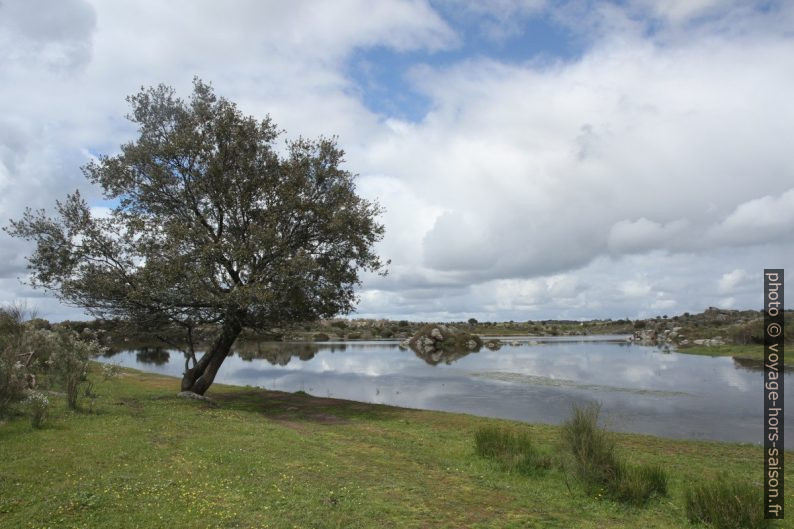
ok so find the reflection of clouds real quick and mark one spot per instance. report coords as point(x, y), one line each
point(639, 374)
point(733, 378)
point(719, 400)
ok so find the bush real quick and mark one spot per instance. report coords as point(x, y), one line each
point(592, 447)
point(635, 484)
point(321, 337)
point(14, 372)
point(68, 363)
point(13, 380)
point(515, 451)
point(600, 468)
point(726, 505)
point(37, 404)
point(110, 371)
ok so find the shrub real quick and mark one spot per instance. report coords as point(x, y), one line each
point(321, 337)
point(723, 504)
point(592, 447)
point(635, 484)
point(37, 404)
point(600, 468)
point(13, 379)
point(68, 363)
point(110, 371)
point(515, 451)
point(14, 373)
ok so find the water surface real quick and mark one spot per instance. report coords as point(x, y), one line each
point(642, 389)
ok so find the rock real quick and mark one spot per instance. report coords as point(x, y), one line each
point(196, 396)
point(436, 334)
point(493, 344)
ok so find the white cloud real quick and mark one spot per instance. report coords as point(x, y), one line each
point(642, 235)
point(756, 221)
point(649, 164)
point(730, 280)
point(634, 289)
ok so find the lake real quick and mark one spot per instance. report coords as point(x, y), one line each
point(642, 389)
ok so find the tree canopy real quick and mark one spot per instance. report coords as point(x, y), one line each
point(213, 225)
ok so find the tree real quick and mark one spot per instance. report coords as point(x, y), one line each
point(213, 225)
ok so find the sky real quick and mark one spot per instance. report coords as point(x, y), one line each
point(536, 159)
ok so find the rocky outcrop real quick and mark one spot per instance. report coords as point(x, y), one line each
point(442, 343)
point(671, 336)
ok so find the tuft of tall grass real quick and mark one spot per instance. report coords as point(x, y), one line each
point(635, 484)
point(600, 468)
point(592, 447)
point(724, 504)
point(514, 450)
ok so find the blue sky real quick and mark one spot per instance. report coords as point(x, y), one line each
point(385, 78)
point(537, 159)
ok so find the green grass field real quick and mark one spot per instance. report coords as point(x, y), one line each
point(145, 458)
point(748, 352)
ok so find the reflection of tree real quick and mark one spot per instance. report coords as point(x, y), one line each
point(280, 353)
point(110, 352)
point(754, 364)
point(436, 356)
point(152, 355)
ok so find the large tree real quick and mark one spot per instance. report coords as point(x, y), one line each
point(213, 225)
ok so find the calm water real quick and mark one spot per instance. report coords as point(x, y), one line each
point(643, 389)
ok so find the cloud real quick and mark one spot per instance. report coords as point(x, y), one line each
point(643, 235)
point(730, 280)
point(764, 219)
point(54, 35)
point(656, 161)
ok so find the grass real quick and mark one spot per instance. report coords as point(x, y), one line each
point(754, 352)
point(601, 469)
point(724, 504)
point(264, 459)
point(512, 449)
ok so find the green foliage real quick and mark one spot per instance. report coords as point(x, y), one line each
point(636, 484)
point(726, 504)
point(321, 337)
point(514, 450)
point(14, 368)
point(592, 447)
point(110, 371)
point(37, 405)
point(215, 224)
point(68, 363)
point(601, 469)
point(13, 380)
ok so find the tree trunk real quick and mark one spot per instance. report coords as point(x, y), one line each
point(199, 378)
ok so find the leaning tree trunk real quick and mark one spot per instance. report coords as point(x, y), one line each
point(199, 378)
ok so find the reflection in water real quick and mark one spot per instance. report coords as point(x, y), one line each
point(153, 355)
point(752, 364)
point(278, 353)
point(437, 356)
point(642, 389)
